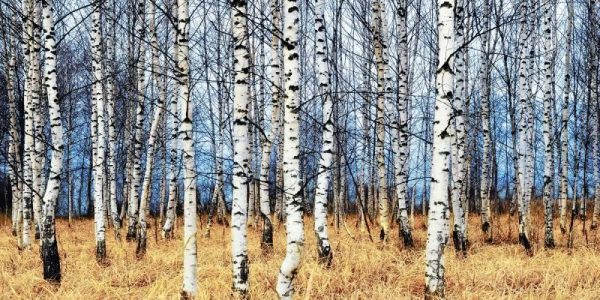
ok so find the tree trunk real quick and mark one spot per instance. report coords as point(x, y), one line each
point(50, 257)
point(100, 141)
point(291, 145)
point(152, 140)
point(189, 289)
point(437, 225)
point(548, 90)
point(325, 162)
point(381, 60)
point(565, 120)
point(402, 135)
point(241, 149)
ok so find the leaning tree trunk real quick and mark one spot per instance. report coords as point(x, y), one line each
point(325, 162)
point(564, 136)
point(401, 145)
point(241, 149)
point(50, 257)
point(189, 289)
point(265, 202)
point(486, 168)
point(380, 46)
point(548, 90)
point(152, 140)
point(292, 183)
point(100, 141)
point(437, 225)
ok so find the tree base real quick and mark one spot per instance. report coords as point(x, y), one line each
point(167, 234)
point(433, 295)
point(406, 236)
point(267, 235)
point(131, 233)
point(186, 296)
point(549, 243)
point(486, 228)
point(51, 261)
point(524, 240)
point(324, 253)
point(460, 243)
point(101, 253)
point(140, 251)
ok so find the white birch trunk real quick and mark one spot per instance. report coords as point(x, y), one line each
point(152, 140)
point(38, 126)
point(174, 147)
point(100, 141)
point(458, 134)
point(292, 183)
point(548, 90)
point(523, 128)
point(437, 225)
point(402, 137)
point(186, 135)
point(325, 162)
point(275, 77)
point(241, 148)
point(50, 257)
point(14, 158)
point(110, 109)
point(564, 136)
point(486, 212)
point(133, 207)
point(379, 24)
point(28, 148)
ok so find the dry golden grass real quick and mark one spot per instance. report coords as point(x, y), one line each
point(361, 269)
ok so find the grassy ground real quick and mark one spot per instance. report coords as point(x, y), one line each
point(361, 270)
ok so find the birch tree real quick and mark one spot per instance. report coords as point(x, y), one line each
point(100, 141)
point(459, 135)
point(174, 153)
point(133, 201)
point(486, 168)
point(28, 147)
point(525, 123)
point(35, 93)
point(565, 120)
point(275, 77)
point(379, 24)
point(190, 288)
point(111, 118)
point(50, 256)
point(548, 70)
point(437, 224)
point(241, 148)
point(401, 151)
point(323, 179)
point(152, 140)
point(14, 158)
point(292, 183)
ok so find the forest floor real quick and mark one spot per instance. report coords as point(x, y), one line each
point(361, 269)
